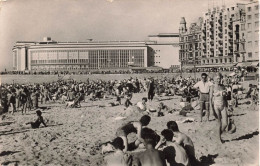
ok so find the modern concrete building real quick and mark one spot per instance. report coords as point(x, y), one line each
point(49, 55)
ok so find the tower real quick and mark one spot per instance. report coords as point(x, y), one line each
point(183, 28)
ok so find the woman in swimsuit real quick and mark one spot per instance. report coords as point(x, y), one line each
point(133, 127)
point(218, 97)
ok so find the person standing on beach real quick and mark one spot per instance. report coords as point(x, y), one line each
point(150, 89)
point(204, 88)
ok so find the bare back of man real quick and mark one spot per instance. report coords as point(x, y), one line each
point(151, 157)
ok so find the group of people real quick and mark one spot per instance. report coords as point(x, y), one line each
point(217, 96)
point(170, 146)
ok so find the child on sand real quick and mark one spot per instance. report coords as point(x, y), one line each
point(175, 154)
point(151, 156)
point(38, 122)
point(117, 158)
point(127, 101)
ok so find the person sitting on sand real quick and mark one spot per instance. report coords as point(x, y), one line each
point(142, 104)
point(133, 127)
point(118, 157)
point(38, 121)
point(151, 156)
point(127, 101)
point(112, 104)
point(163, 108)
point(175, 154)
point(182, 139)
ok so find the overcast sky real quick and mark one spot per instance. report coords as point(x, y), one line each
point(78, 20)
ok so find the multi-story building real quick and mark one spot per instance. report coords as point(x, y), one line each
point(48, 55)
point(190, 44)
point(229, 36)
point(252, 32)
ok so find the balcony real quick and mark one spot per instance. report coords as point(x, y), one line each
point(230, 34)
point(212, 42)
point(220, 42)
point(212, 49)
point(211, 36)
point(211, 29)
point(242, 40)
point(220, 48)
point(230, 40)
point(237, 41)
point(220, 35)
point(204, 31)
point(230, 26)
point(220, 21)
point(236, 32)
point(220, 28)
point(211, 22)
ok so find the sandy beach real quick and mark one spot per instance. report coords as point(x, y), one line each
point(74, 135)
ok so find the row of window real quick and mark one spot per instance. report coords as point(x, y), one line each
point(212, 61)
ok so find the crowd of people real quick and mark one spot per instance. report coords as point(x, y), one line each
point(218, 95)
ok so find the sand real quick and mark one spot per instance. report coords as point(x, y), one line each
point(73, 135)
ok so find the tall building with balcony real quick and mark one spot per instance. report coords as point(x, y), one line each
point(190, 41)
point(219, 35)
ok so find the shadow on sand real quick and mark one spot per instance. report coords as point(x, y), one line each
point(5, 153)
point(207, 160)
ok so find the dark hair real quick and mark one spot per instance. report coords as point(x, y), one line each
point(145, 120)
point(167, 134)
point(204, 74)
point(145, 99)
point(118, 143)
point(172, 125)
point(38, 112)
point(147, 132)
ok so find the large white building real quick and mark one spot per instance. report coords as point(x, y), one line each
point(49, 55)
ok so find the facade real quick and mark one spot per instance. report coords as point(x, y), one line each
point(190, 44)
point(163, 50)
point(50, 55)
point(229, 35)
point(252, 31)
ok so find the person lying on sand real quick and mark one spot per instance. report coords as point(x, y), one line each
point(175, 154)
point(38, 121)
point(112, 104)
point(133, 127)
point(162, 109)
point(182, 139)
point(151, 156)
point(118, 157)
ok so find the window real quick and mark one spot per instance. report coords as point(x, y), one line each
point(256, 7)
point(250, 55)
point(256, 43)
point(257, 15)
point(225, 45)
point(249, 9)
point(225, 31)
point(249, 17)
point(242, 27)
point(225, 24)
point(250, 44)
point(256, 24)
point(220, 60)
point(225, 17)
point(249, 25)
point(249, 35)
point(216, 61)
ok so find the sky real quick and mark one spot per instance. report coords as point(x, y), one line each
point(79, 20)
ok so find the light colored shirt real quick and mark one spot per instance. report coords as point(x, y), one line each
point(203, 87)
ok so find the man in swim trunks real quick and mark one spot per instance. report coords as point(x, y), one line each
point(204, 87)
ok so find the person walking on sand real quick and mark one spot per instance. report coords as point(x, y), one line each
point(151, 89)
point(204, 88)
point(218, 98)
